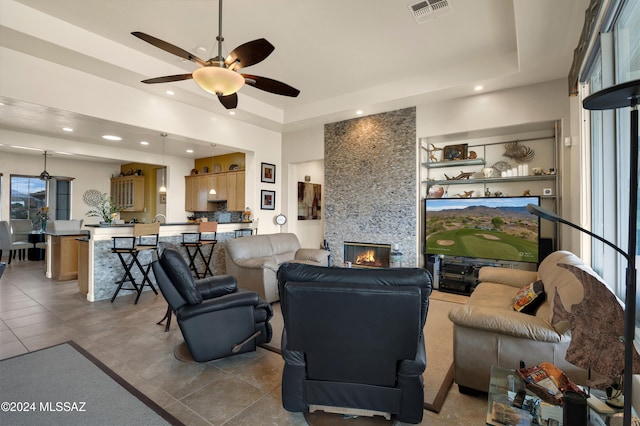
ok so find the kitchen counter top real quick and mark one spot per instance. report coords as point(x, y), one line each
point(101, 269)
point(124, 225)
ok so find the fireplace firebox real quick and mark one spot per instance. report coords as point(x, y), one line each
point(367, 255)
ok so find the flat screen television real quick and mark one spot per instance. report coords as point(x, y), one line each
point(497, 228)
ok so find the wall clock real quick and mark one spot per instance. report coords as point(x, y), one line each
point(280, 219)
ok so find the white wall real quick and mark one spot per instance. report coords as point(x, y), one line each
point(86, 94)
point(302, 155)
point(540, 102)
point(83, 172)
point(528, 104)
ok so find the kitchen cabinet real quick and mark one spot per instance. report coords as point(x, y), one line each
point(219, 182)
point(196, 190)
point(229, 187)
point(64, 257)
point(128, 193)
point(235, 191)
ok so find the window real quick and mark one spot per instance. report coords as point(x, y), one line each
point(615, 59)
point(28, 195)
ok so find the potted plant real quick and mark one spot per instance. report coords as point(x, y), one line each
point(105, 208)
point(43, 214)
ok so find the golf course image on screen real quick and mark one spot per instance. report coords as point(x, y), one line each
point(485, 228)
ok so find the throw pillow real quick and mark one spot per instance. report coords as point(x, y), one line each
point(529, 298)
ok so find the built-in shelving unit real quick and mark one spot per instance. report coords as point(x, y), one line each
point(486, 148)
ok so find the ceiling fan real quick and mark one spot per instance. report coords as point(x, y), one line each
point(45, 175)
point(219, 75)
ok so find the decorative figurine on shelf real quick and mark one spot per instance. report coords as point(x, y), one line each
point(466, 194)
point(246, 215)
point(432, 155)
point(462, 175)
point(436, 192)
point(520, 153)
point(526, 192)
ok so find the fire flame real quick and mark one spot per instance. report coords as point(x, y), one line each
point(366, 257)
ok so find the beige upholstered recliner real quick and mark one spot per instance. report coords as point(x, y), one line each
point(487, 331)
point(254, 260)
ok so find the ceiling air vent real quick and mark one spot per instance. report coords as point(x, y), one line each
point(425, 10)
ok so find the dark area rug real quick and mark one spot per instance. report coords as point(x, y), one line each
point(65, 385)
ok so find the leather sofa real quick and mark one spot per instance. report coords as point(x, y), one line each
point(353, 340)
point(254, 260)
point(217, 319)
point(488, 331)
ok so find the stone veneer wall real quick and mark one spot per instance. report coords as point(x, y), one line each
point(371, 183)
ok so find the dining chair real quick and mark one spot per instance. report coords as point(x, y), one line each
point(7, 242)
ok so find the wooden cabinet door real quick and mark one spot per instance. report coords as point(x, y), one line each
point(202, 192)
point(235, 191)
point(128, 193)
point(220, 184)
point(190, 193)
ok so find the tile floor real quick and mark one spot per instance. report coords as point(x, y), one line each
point(36, 312)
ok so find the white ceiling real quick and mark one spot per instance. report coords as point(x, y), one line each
point(342, 55)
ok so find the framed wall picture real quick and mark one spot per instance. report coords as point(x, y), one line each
point(309, 200)
point(455, 152)
point(268, 174)
point(267, 200)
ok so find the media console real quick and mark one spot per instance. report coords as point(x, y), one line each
point(460, 275)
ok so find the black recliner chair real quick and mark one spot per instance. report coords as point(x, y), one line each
point(353, 339)
point(216, 318)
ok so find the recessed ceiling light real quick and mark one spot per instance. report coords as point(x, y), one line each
point(359, 112)
point(232, 113)
point(67, 129)
point(478, 88)
point(190, 151)
point(144, 143)
point(112, 137)
point(170, 92)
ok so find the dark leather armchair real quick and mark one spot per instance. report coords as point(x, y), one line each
point(216, 318)
point(353, 339)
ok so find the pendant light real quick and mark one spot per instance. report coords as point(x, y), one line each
point(212, 191)
point(163, 188)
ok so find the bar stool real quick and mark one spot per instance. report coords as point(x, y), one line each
point(145, 237)
point(206, 235)
point(243, 232)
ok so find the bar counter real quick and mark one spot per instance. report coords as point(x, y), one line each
point(103, 268)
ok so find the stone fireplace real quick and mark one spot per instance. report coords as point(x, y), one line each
point(367, 255)
point(371, 191)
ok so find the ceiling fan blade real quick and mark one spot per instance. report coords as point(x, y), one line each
point(249, 53)
point(229, 101)
point(167, 78)
point(270, 85)
point(168, 47)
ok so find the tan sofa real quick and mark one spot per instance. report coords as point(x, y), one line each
point(487, 331)
point(254, 260)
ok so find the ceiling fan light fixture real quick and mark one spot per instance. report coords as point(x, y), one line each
point(218, 81)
